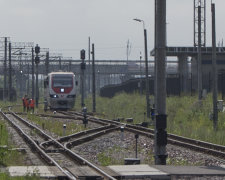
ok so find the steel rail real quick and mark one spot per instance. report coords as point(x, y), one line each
point(34, 145)
point(70, 153)
point(76, 135)
point(79, 141)
point(197, 145)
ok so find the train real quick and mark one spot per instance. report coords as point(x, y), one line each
point(60, 90)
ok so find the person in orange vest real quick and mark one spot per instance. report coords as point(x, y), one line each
point(31, 104)
point(24, 99)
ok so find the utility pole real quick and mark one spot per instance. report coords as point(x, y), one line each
point(140, 75)
point(28, 79)
point(82, 67)
point(146, 74)
point(10, 74)
point(5, 71)
point(160, 139)
point(70, 64)
point(32, 69)
point(146, 68)
point(93, 79)
point(47, 63)
point(37, 61)
point(215, 109)
point(89, 64)
point(199, 55)
point(202, 3)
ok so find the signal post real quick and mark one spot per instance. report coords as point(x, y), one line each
point(82, 67)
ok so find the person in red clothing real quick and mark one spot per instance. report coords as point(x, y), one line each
point(31, 104)
point(24, 99)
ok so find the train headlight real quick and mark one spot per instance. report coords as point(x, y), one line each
point(54, 96)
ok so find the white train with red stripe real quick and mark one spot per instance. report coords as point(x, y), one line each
point(60, 90)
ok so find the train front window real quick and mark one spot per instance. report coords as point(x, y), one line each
point(62, 81)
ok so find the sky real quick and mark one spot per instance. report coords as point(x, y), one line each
point(64, 26)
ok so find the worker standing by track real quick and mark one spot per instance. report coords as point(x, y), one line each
point(31, 104)
point(24, 99)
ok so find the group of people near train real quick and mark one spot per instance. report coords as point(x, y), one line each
point(28, 104)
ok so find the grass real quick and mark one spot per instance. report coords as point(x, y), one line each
point(55, 126)
point(5, 176)
point(7, 157)
point(186, 116)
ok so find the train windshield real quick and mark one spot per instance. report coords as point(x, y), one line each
point(62, 81)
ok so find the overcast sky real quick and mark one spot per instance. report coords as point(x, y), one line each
point(64, 26)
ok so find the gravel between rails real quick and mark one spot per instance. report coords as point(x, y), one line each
point(115, 148)
point(112, 146)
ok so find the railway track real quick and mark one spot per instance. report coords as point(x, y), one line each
point(218, 151)
point(39, 140)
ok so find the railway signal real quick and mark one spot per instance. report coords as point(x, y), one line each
point(37, 61)
point(82, 67)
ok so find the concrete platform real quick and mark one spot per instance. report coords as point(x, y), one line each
point(41, 171)
point(139, 171)
point(166, 172)
point(122, 171)
point(192, 170)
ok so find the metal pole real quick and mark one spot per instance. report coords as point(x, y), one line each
point(89, 64)
point(140, 75)
point(47, 63)
point(215, 90)
point(28, 79)
point(160, 121)
point(37, 89)
point(5, 71)
point(70, 64)
point(37, 60)
point(32, 51)
point(82, 85)
point(93, 79)
point(199, 55)
point(146, 75)
point(10, 74)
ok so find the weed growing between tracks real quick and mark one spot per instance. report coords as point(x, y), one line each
point(56, 126)
point(186, 117)
point(5, 176)
point(7, 156)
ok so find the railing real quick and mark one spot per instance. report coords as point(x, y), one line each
point(190, 50)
